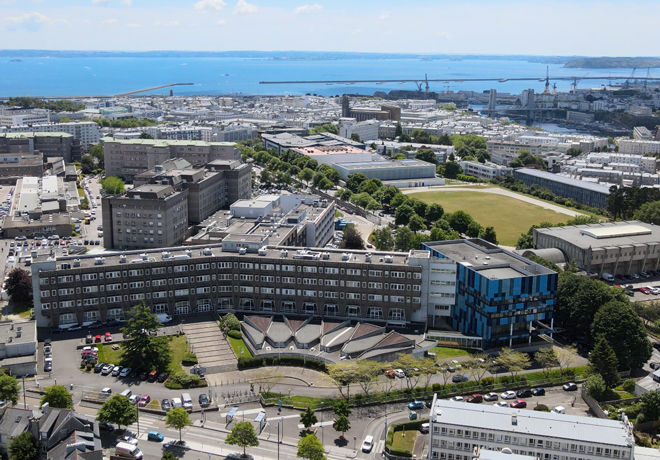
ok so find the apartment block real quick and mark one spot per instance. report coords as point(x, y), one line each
point(638, 146)
point(366, 130)
point(504, 152)
point(87, 132)
point(12, 116)
point(128, 158)
point(486, 170)
point(458, 430)
point(587, 193)
point(498, 296)
point(148, 216)
point(49, 145)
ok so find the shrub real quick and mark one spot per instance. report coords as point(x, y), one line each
point(436, 387)
point(629, 385)
point(487, 381)
point(190, 359)
point(183, 380)
point(542, 408)
point(250, 362)
point(235, 334)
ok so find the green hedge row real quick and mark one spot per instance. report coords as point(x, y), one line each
point(258, 361)
point(189, 360)
point(235, 334)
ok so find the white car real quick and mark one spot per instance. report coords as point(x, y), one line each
point(458, 399)
point(491, 397)
point(508, 395)
point(107, 369)
point(558, 410)
point(125, 371)
point(501, 404)
point(399, 373)
point(106, 391)
point(116, 371)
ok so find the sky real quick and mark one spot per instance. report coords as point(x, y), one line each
point(530, 27)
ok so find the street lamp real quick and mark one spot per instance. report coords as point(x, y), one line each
point(243, 414)
point(322, 431)
point(282, 422)
point(278, 441)
point(24, 402)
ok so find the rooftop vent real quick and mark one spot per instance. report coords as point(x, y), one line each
point(326, 255)
point(367, 257)
point(137, 261)
point(345, 256)
point(514, 419)
point(262, 251)
point(284, 253)
point(242, 251)
point(389, 259)
point(207, 252)
point(166, 254)
point(122, 259)
point(99, 261)
point(144, 256)
point(76, 262)
point(188, 252)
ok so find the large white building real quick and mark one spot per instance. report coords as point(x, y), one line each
point(11, 116)
point(458, 429)
point(87, 131)
point(638, 147)
point(646, 164)
point(367, 130)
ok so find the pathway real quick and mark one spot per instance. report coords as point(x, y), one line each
point(211, 347)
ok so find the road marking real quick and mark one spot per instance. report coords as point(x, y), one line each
point(379, 446)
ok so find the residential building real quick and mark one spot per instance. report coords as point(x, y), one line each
point(608, 247)
point(47, 144)
point(13, 116)
point(646, 164)
point(406, 173)
point(128, 158)
point(586, 193)
point(148, 216)
point(18, 347)
point(486, 170)
point(504, 152)
point(499, 296)
point(579, 117)
point(642, 133)
point(638, 146)
point(88, 132)
point(457, 430)
point(366, 130)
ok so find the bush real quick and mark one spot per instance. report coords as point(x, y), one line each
point(629, 385)
point(436, 387)
point(189, 360)
point(487, 381)
point(296, 361)
point(542, 408)
point(235, 334)
point(183, 380)
point(250, 362)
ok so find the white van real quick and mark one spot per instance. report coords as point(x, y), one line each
point(126, 393)
point(164, 317)
point(187, 401)
point(368, 444)
point(176, 403)
point(607, 277)
point(127, 450)
point(559, 410)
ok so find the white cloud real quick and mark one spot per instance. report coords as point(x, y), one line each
point(384, 15)
point(167, 24)
point(204, 5)
point(307, 8)
point(109, 21)
point(446, 35)
point(132, 24)
point(99, 2)
point(127, 2)
point(30, 21)
point(221, 22)
point(243, 7)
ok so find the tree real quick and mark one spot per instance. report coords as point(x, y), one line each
point(489, 235)
point(353, 181)
point(266, 178)
point(242, 435)
point(547, 358)
point(168, 456)
point(306, 175)
point(368, 374)
point(24, 447)
point(459, 221)
point(355, 137)
point(452, 169)
point(403, 239)
point(230, 323)
point(513, 361)
point(343, 375)
point(340, 408)
point(474, 229)
point(352, 239)
point(403, 214)
point(416, 223)
point(9, 389)
point(57, 396)
point(649, 213)
point(651, 406)
point(595, 386)
point(625, 332)
point(427, 155)
point(326, 128)
point(325, 184)
point(308, 418)
point(434, 212)
point(113, 185)
point(479, 364)
point(267, 380)
point(341, 425)
point(398, 131)
point(144, 351)
point(602, 360)
point(19, 285)
point(382, 239)
point(119, 410)
point(178, 419)
point(566, 356)
point(410, 366)
point(310, 448)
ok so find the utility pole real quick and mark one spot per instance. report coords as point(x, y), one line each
point(24, 401)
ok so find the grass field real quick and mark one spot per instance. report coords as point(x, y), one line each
point(178, 345)
point(238, 346)
point(509, 216)
point(448, 352)
point(404, 440)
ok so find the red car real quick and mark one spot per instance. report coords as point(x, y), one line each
point(475, 398)
point(108, 337)
point(644, 290)
point(97, 339)
point(144, 400)
point(389, 373)
point(518, 404)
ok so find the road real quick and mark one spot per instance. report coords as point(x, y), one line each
point(498, 191)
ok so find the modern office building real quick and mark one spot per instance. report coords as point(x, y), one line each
point(407, 173)
point(148, 216)
point(366, 130)
point(498, 296)
point(128, 158)
point(608, 247)
point(457, 430)
point(583, 192)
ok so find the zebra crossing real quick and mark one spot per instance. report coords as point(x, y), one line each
point(147, 423)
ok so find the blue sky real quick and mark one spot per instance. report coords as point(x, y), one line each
point(540, 27)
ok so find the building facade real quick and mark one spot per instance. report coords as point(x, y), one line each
point(87, 132)
point(587, 193)
point(486, 170)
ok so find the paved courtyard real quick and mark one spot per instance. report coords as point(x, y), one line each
point(212, 349)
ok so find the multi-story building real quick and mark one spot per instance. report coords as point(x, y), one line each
point(50, 145)
point(12, 116)
point(646, 164)
point(148, 216)
point(128, 158)
point(87, 132)
point(638, 146)
point(587, 193)
point(642, 133)
point(404, 173)
point(498, 296)
point(486, 170)
point(366, 130)
point(504, 152)
point(458, 430)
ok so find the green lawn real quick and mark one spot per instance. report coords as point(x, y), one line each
point(238, 346)
point(509, 216)
point(81, 192)
point(178, 345)
point(448, 352)
point(404, 440)
point(108, 355)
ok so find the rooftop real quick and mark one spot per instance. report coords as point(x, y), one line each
point(606, 234)
point(564, 180)
point(386, 164)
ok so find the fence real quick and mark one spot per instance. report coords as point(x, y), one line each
point(232, 400)
point(593, 404)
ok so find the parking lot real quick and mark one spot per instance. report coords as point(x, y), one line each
point(640, 287)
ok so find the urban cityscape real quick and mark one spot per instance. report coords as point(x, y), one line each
point(443, 246)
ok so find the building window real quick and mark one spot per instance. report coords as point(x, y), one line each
point(309, 308)
point(267, 305)
point(374, 313)
point(353, 311)
point(330, 310)
point(247, 304)
point(288, 307)
point(396, 314)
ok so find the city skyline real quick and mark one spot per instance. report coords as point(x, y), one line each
point(511, 27)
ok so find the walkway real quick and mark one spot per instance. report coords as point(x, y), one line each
point(211, 347)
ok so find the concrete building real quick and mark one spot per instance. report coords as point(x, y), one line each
point(504, 152)
point(12, 116)
point(49, 145)
point(18, 347)
point(498, 297)
point(457, 429)
point(637, 146)
point(366, 130)
point(129, 158)
point(408, 173)
point(486, 170)
point(609, 247)
point(579, 117)
point(586, 193)
point(642, 133)
point(88, 132)
point(646, 164)
point(148, 216)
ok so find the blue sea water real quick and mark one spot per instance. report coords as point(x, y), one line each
point(225, 76)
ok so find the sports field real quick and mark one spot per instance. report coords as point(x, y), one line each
point(509, 216)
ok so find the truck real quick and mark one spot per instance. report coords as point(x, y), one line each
point(341, 224)
point(607, 277)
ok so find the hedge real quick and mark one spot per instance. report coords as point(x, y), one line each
point(190, 359)
point(235, 334)
point(258, 361)
point(183, 380)
point(406, 426)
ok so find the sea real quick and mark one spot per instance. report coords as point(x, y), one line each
point(104, 76)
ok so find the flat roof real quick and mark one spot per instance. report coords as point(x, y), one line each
point(167, 143)
point(385, 164)
point(605, 234)
point(28, 332)
point(535, 423)
point(565, 180)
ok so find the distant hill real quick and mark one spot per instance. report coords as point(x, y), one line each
point(614, 63)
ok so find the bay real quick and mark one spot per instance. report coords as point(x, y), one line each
point(232, 76)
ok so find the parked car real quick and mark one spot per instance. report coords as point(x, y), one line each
point(162, 377)
point(508, 395)
point(125, 372)
point(558, 410)
point(99, 367)
point(645, 290)
point(424, 428)
point(107, 369)
point(97, 339)
point(491, 397)
point(134, 398)
point(416, 405)
point(204, 400)
point(501, 404)
point(475, 398)
point(458, 399)
point(654, 366)
point(108, 337)
point(106, 427)
point(570, 387)
point(389, 373)
point(538, 391)
point(144, 400)
point(459, 378)
point(165, 404)
point(525, 393)
point(518, 404)
point(128, 439)
point(399, 373)
point(155, 436)
point(115, 371)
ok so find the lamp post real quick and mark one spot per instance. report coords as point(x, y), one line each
point(322, 431)
point(282, 423)
point(24, 402)
point(278, 441)
point(243, 414)
point(137, 409)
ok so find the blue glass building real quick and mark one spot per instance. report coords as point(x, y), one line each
point(500, 296)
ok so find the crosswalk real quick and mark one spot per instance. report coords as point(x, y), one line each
point(147, 423)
